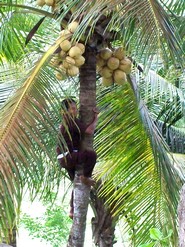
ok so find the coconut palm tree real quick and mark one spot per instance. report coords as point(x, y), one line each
point(139, 182)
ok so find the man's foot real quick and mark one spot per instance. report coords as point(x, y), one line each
point(87, 180)
point(71, 211)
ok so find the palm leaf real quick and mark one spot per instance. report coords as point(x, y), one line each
point(166, 104)
point(139, 179)
point(17, 22)
point(161, 97)
point(33, 31)
point(27, 121)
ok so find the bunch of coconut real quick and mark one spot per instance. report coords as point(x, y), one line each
point(70, 58)
point(113, 66)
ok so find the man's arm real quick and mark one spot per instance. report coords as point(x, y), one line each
point(91, 128)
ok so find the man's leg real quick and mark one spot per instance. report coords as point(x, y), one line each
point(69, 163)
point(71, 211)
point(88, 158)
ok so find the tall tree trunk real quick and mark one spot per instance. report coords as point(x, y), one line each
point(87, 103)
point(103, 222)
point(12, 242)
point(181, 215)
point(13, 235)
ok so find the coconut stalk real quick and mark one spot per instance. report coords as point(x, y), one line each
point(87, 103)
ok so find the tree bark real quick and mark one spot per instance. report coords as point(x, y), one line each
point(13, 235)
point(12, 242)
point(103, 223)
point(81, 201)
point(87, 103)
point(181, 216)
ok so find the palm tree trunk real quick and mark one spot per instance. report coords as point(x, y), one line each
point(181, 215)
point(103, 224)
point(81, 191)
point(13, 241)
point(81, 201)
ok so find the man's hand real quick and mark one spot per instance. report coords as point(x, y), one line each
point(90, 129)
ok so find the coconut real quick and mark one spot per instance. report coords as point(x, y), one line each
point(106, 72)
point(73, 26)
point(41, 2)
point(66, 65)
point(100, 61)
point(65, 45)
point(70, 60)
point(113, 63)
point(81, 46)
point(75, 52)
point(73, 71)
point(107, 81)
point(125, 65)
point(79, 61)
point(61, 67)
point(60, 76)
point(62, 54)
point(49, 2)
point(65, 33)
point(119, 53)
point(105, 53)
point(119, 77)
point(55, 61)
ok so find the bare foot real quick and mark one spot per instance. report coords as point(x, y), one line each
point(87, 181)
point(71, 213)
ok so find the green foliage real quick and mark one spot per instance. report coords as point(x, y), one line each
point(53, 226)
point(158, 237)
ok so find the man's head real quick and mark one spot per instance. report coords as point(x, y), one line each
point(69, 106)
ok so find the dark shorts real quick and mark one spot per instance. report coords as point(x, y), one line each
point(86, 159)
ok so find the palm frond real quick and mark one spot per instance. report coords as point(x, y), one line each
point(161, 97)
point(177, 7)
point(28, 120)
point(17, 22)
point(140, 182)
point(174, 136)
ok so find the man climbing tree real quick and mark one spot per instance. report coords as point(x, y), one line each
point(71, 132)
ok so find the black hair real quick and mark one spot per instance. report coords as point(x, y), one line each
point(66, 102)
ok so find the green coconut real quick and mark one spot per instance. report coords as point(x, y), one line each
point(105, 53)
point(107, 82)
point(119, 77)
point(49, 2)
point(79, 61)
point(65, 45)
point(73, 71)
point(73, 26)
point(41, 2)
point(106, 72)
point(125, 65)
point(75, 52)
point(119, 53)
point(113, 63)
